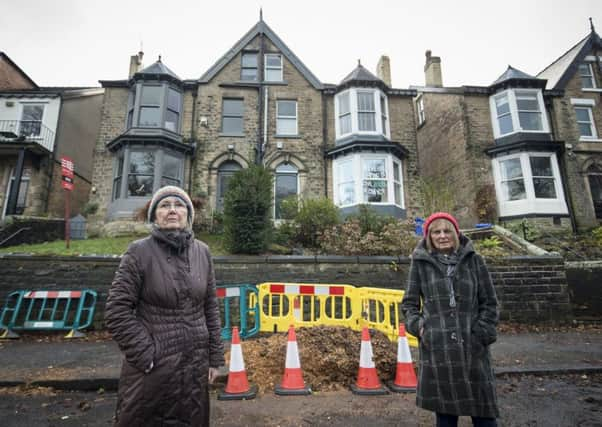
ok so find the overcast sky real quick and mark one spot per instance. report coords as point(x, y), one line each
point(78, 42)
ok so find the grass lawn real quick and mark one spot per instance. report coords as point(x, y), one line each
point(103, 246)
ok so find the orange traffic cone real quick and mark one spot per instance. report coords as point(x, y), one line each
point(405, 377)
point(292, 383)
point(237, 387)
point(367, 379)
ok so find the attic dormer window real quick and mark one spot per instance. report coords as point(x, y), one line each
point(518, 110)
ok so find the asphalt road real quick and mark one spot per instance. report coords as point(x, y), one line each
point(528, 400)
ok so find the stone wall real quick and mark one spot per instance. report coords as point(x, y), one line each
point(579, 154)
point(530, 289)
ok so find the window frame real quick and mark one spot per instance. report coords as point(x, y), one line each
point(590, 76)
point(587, 104)
point(267, 67)
point(243, 67)
point(241, 117)
point(40, 122)
point(530, 204)
point(354, 111)
point(357, 166)
point(420, 110)
point(511, 95)
point(280, 174)
point(281, 117)
point(121, 172)
point(151, 106)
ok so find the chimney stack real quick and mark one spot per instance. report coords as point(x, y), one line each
point(135, 63)
point(383, 70)
point(432, 70)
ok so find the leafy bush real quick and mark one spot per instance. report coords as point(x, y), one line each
point(395, 238)
point(490, 242)
point(369, 220)
point(247, 211)
point(597, 235)
point(437, 195)
point(313, 217)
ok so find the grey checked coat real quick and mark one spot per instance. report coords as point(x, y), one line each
point(455, 372)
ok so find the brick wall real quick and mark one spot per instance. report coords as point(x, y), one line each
point(530, 289)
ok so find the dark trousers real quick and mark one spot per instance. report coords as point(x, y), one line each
point(445, 420)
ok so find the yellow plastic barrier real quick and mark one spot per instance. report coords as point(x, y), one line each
point(304, 304)
point(380, 309)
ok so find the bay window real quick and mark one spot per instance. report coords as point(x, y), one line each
point(361, 111)
point(139, 172)
point(518, 110)
point(368, 178)
point(154, 105)
point(528, 183)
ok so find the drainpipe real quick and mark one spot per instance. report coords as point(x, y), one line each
point(325, 142)
point(192, 139)
point(260, 101)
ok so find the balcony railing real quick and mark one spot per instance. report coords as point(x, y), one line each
point(27, 130)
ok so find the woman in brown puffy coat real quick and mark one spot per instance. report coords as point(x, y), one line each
point(162, 310)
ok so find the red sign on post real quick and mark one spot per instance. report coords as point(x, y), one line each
point(67, 173)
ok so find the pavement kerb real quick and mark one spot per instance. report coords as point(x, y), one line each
point(111, 384)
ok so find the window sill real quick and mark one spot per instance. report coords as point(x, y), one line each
point(275, 83)
point(232, 135)
point(297, 136)
point(582, 139)
point(592, 89)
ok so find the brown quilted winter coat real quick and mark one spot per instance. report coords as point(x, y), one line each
point(162, 308)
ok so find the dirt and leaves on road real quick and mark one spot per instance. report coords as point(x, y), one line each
point(329, 357)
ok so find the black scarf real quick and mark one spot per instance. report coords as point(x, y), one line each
point(450, 262)
point(178, 240)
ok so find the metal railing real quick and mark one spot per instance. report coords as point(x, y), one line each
point(27, 130)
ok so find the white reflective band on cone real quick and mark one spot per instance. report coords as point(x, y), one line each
point(366, 355)
point(292, 355)
point(237, 363)
point(403, 350)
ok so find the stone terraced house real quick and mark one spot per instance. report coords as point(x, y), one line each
point(524, 147)
point(354, 142)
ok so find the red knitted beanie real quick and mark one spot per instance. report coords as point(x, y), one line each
point(440, 215)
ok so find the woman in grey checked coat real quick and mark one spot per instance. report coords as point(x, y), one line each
point(451, 306)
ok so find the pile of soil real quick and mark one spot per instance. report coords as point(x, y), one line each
point(329, 357)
